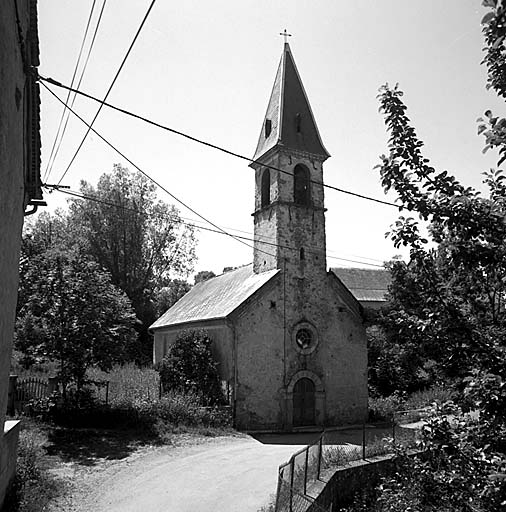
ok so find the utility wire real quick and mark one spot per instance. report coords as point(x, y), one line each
point(181, 220)
point(55, 149)
point(149, 177)
point(204, 143)
point(109, 90)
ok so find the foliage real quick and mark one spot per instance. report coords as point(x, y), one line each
point(189, 366)
point(204, 275)
point(383, 408)
point(168, 295)
point(127, 383)
point(176, 409)
point(71, 313)
point(142, 243)
point(448, 301)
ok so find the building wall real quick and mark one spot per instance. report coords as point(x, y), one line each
point(12, 78)
point(15, 122)
point(284, 223)
point(269, 361)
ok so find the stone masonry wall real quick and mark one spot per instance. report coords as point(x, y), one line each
point(268, 360)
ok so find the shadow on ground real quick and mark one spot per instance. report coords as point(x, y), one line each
point(90, 446)
point(353, 435)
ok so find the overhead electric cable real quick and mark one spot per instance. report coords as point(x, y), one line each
point(55, 149)
point(109, 90)
point(190, 224)
point(148, 176)
point(208, 144)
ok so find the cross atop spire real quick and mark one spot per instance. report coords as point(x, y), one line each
point(286, 35)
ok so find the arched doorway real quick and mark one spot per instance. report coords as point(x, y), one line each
point(304, 403)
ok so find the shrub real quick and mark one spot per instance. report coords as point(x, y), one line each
point(189, 367)
point(383, 408)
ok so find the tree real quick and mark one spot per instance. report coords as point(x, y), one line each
point(72, 313)
point(142, 243)
point(203, 275)
point(167, 296)
point(449, 301)
point(190, 367)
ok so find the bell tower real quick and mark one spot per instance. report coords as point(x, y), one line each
point(289, 220)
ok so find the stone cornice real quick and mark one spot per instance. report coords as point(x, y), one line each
point(296, 153)
point(289, 203)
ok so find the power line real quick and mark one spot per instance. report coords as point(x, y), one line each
point(110, 88)
point(204, 143)
point(55, 148)
point(148, 176)
point(192, 225)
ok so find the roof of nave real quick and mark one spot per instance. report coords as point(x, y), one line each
point(216, 297)
point(364, 283)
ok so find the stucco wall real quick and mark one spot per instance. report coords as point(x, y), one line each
point(12, 180)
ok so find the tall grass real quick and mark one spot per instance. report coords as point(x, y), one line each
point(127, 383)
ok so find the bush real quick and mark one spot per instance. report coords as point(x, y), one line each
point(175, 410)
point(189, 367)
point(383, 408)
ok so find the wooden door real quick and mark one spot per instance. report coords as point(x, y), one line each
point(303, 403)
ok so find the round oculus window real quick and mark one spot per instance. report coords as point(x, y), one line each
point(304, 338)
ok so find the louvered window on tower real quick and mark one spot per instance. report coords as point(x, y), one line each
point(298, 123)
point(301, 185)
point(268, 127)
point(266, 188)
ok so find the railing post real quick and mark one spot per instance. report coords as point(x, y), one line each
point(52, 385)
point(278, 490)
point(107, 393)
point(305, 470)
point(363, 442)
point(160, 389)
point(292, 471)
point(319, 457)
point(393, 427)
point(11, 400)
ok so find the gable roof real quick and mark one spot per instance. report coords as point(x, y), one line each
point(216, 297)
point(367, 285)
point(288, 105)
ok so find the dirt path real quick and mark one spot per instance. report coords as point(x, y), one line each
point(225, 474)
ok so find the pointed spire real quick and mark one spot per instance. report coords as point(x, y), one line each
point(289, 121)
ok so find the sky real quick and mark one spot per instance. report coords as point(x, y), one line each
point(207, 69)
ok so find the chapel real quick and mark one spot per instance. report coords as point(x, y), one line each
point(287, 333)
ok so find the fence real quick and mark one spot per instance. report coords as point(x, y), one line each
point(335, 448)
point(22, 391)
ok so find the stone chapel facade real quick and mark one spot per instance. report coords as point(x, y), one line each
point(288, 335)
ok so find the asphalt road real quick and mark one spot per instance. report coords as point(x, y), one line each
point(229, 474)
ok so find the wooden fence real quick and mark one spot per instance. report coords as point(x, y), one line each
point(23, 390)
